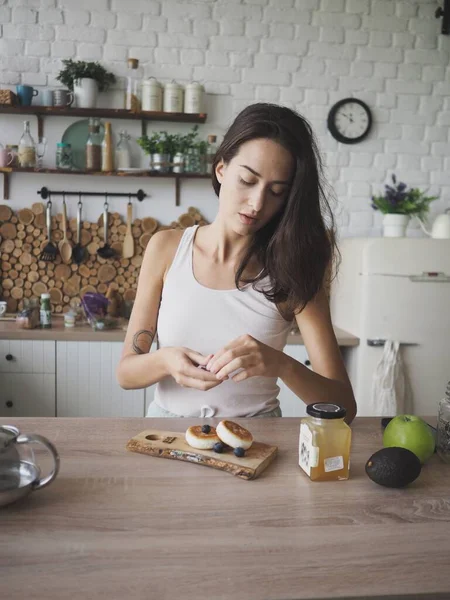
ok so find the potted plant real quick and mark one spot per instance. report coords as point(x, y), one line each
point(182, 144)
point(160, 148)
point(398, 205)
point(86, 79)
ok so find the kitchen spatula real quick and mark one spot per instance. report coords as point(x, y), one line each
point(128, 242)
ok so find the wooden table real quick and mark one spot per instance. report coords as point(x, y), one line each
point(116, 524)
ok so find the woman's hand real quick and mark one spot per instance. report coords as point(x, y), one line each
point(187, 367)
point(248, 354)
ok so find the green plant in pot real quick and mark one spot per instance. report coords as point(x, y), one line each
point(398, 204)
point(182, 145)
point(160, 147)
point(86, 79)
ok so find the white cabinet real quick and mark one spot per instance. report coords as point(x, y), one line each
point(27, 378)
point(290, 404)
point(86, 383)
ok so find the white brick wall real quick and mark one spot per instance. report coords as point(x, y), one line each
point(306, 54)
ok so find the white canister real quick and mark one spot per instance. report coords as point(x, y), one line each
point(173, 97)
point(152, 95)
point(194, 98)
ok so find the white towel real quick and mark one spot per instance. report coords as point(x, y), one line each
point(389, 386)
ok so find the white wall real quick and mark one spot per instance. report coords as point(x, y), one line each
point(306, 54)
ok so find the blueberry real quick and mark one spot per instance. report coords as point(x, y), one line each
point(206, 429)
point(240, 452)
point(218, 447)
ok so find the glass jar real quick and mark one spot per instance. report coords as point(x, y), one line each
point(211, 152)
point(63, 156)
point(27, 148)
point(69, 319)
point(443, 427)
point(132, 92)
point(123, 154)
point(324, 444)
point(94, 146)
point(46, 311)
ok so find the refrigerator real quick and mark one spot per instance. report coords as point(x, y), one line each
point(396, 289)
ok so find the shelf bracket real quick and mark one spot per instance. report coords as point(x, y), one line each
point(177, 191)
point(5, 185)
point(143, 128)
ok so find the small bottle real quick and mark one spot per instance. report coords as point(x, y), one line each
point(123, 154)
point(443, 427)
point(211, 152)
point(46, 312)
point(131, 94)
point(324, 445)
point(107, 150)
point(93, 147)
point(27, 148)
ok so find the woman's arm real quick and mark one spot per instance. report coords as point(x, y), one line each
point(138, 368)
point(329, 381)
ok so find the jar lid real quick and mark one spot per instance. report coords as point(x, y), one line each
point(151, 81)
point(133, 63)
point(212, 138)
point(62, 145)
point(45, 296)
point(325, 410)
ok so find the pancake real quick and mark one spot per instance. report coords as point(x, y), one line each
point(203, 441)
point(234, 435)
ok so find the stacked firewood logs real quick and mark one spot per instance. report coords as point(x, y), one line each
point(24, 275)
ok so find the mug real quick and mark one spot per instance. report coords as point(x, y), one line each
point(6, 157)
point(3, 306)
point(14, 149)
point(62, 97)
point(47, 97)
point(26, 93)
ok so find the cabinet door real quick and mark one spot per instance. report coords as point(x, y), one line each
point(27, 356)
point(27, 395)
point(291, 405)
point(86, 383)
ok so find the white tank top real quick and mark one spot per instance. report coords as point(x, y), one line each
point(205, 320)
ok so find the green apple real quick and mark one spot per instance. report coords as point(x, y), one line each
point(412, 433)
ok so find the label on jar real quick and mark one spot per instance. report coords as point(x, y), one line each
point(334, 463)
point(46, 318)
point(308, 454)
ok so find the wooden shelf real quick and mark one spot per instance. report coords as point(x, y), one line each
point(7, 171)
point(106, 113)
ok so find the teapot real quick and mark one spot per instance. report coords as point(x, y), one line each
point(19, 472)
point(440, 228)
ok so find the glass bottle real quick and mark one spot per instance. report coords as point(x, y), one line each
point(107, 150)
point(443, 427)
point(27, 148)
point(46, 311)
point(211, 152)
point(324, 445)
point(123, 154)
point(131, 94)
point(93, 146)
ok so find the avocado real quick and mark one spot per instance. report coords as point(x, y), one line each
point(393, 467)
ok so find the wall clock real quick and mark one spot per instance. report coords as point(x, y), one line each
point(349, 121)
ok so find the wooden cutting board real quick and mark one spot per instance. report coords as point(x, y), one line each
point(172, 444)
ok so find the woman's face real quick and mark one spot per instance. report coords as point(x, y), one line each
point(254, 185)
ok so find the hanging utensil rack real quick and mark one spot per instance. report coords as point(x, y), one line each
point(44, 192)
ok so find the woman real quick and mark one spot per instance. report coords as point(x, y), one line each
point(223, 296)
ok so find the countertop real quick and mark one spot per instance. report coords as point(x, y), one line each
point(84, 333)
point(115, 524)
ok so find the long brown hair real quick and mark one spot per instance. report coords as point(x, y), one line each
point(297, 248)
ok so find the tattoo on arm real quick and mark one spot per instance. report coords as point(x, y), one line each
point(142, 341)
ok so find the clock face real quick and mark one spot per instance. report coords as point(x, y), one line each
point(349, 121)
